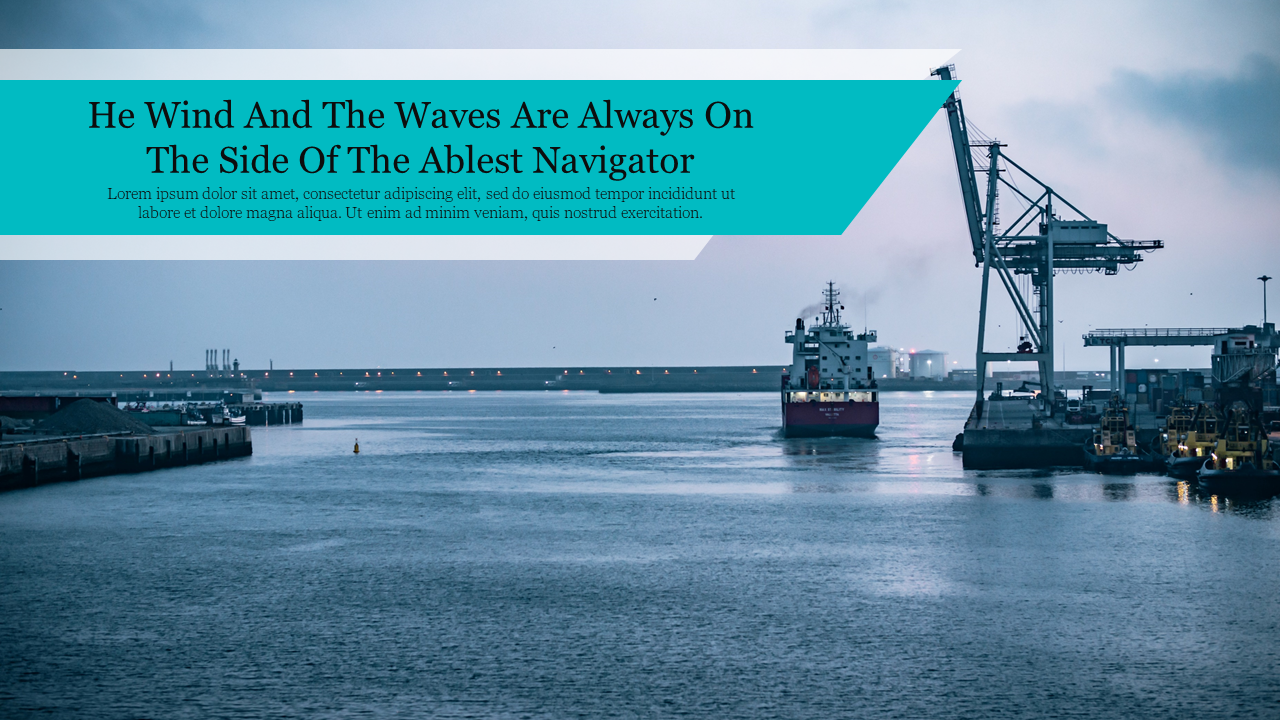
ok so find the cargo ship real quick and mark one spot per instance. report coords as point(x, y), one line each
point(829, 389)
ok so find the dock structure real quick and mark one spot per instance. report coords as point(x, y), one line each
point(1234, 349)
point(1117, 339)
point(30, 460)
point(269, 414)
point(1013, 433)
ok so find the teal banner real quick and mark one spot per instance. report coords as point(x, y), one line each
point(452, 157)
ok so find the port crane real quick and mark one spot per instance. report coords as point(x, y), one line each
point(1049, 236)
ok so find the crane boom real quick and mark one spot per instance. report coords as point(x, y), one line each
point(964, 165)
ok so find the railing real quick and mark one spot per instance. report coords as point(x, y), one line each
point(1156, 332)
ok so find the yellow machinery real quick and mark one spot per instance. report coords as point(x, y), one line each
point(1202, 435)
point(1241, 442)
point(1177, 426)
point(1114, 448)
point(1113, 435)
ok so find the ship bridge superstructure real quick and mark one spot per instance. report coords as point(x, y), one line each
point(829, 361)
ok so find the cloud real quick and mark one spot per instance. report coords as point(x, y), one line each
point(1236, 114)
point(1072, 125)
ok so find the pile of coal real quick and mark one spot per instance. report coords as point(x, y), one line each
point(9, 426)
point(90, 417)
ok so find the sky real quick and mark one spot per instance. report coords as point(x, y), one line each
point(1158, 118)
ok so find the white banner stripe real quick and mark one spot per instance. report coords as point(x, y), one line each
point(351, 247)
point(470, 64)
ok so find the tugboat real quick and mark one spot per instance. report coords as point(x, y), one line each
point(1114, 449)
point(829, 389)
point(1241, 461)
point(1186, 459)
point(1176, 426)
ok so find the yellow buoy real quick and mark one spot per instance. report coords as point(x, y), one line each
point(357, 450)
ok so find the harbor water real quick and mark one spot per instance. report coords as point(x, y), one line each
point(572, 554)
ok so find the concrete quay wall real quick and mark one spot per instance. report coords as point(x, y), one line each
point(989, 449)
point(33, 460)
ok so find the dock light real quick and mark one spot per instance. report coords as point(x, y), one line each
point(499, 372)
point(473, 372)
point(419, 373)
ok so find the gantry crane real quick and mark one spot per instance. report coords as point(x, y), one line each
point(1039, 243)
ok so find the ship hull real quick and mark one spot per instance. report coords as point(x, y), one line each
point(1121, 463)
point(830, 419)
point(1184, 467)
point(1248, 481)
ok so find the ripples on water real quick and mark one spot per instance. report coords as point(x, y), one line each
point(553, 555)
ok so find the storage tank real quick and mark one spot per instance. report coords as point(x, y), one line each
point(928, 364)
point(883, 362)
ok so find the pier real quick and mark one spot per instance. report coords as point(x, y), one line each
point(30, 460)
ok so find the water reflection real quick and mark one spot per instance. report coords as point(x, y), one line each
point(831, 447)
point(915, 459)
point(1261, 508)
point(885, 467)
point(1119, 491)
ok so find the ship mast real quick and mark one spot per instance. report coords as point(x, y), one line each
point(831, 315)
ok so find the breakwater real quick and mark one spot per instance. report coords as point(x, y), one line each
point(239, 386)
